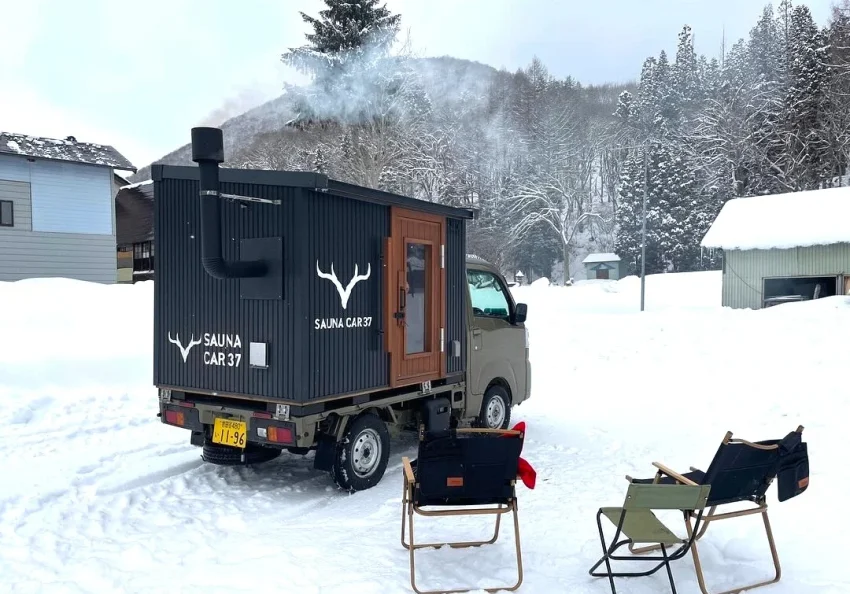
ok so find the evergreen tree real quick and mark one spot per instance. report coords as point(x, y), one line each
point(807, 154)
point(766, 50)
point(629, 217)
point(347, 56)
point(686, 75)
point(624, 108)
point(343, 30)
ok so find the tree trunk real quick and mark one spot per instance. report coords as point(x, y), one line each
point(566, 262)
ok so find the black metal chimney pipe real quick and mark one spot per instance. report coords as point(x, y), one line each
point(208, 152)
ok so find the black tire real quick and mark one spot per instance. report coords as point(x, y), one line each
point(362, 454)
point(223, 455)
point(496, 405)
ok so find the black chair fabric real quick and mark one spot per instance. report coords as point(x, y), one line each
point(740, 472)
point(466, 469)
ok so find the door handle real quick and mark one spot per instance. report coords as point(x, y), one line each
point(402, 304)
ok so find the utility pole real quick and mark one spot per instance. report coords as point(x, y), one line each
point(643, 228)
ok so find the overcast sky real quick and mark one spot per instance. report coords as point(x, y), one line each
point(138, 74)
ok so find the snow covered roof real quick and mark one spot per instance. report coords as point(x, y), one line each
point(136, 185)
point(63, 150)
point(602, 257)
point(782, 221)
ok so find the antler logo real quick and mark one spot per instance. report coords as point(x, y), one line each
point(345, 293)
point(184, 350)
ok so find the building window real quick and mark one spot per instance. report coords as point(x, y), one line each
point(7, 213)
point(143, 257)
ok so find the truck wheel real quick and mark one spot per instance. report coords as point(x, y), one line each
point(495, 409)
point(362, 455)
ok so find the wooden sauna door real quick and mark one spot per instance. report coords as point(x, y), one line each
point(416, 297)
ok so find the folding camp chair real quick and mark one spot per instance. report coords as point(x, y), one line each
point(741, 472)
point(457, 469)
point(637, 522)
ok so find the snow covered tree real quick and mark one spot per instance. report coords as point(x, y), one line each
point(348, 59)
point(344, 30)
point(629, 215)
point(805, 160)
point(687, 87)
point(551, 164)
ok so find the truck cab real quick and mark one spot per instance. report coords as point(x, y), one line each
point(498, 367)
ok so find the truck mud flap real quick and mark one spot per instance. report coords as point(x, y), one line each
point(325, 452)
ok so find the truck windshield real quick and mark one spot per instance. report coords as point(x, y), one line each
point(487, 294)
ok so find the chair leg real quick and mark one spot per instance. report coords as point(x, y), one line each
point(404, 503)
point(412, 548)
point(608, 555)
point(669, 571)
point(771, 542)
point(454, 545)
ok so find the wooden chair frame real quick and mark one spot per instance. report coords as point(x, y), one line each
point(409, 509)
point(759, 507)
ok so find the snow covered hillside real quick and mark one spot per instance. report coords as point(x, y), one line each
point(97, 496)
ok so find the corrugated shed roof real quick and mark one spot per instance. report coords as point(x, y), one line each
point(63, 150)
point(134, 214)
point(601, 257)
point(782, 221)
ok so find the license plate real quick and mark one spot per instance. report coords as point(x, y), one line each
point(228, 432)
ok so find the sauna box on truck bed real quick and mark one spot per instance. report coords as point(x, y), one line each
point(296, 312)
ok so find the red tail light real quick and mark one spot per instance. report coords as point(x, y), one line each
point(174, 418)
point(280, 434)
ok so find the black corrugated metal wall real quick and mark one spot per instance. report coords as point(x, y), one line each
point(191, 303)
point(318, 346)
point(456, 288)
point(344, 234)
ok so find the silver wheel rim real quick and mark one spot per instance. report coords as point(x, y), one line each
point(366, 453)
point(495, 412)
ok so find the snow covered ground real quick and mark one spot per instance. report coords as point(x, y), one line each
point(97, 496)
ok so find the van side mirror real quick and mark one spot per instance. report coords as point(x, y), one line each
point(521, 313)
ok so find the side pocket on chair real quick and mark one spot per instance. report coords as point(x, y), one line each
point(793, 474)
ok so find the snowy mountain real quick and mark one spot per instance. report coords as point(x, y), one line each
point(447, 81)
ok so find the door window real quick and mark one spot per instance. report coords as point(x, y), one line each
point(417, 291)
point(487, 295)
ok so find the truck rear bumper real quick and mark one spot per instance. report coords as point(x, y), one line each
point(260, 428)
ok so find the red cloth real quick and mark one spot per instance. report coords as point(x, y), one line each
point(526, 473)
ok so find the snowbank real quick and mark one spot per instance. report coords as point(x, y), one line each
point(688, 290)
point(98, 496)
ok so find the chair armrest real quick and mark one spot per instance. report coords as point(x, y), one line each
point(673, 474)
point(408, 470)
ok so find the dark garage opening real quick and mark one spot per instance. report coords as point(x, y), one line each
point(802, 288)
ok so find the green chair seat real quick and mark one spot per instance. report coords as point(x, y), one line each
point(641, 526)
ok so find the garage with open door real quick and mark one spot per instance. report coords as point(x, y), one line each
point(783, 248)
point(786, 289)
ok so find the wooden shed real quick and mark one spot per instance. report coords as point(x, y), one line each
point(606, 266)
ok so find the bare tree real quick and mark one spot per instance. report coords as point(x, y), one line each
point(555, 200)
